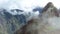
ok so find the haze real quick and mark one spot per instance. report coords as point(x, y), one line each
point(27, 4)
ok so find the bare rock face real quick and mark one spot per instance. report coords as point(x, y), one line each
point(48, 6)
point(42, 25)
point(50, 10)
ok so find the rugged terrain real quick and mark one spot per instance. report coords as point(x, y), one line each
point(46, 22)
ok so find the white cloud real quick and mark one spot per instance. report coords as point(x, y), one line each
point(29, 4)
point(42, 3)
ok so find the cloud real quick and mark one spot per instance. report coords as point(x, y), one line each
point(28, 4)
point(41, 3)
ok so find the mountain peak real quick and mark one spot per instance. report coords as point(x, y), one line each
point(50, 4)
point(50, 10)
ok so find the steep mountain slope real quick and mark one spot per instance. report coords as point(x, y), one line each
point(10, 23)
point(50, 10)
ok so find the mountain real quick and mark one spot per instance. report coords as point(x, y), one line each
point(50, 4)
point(10, 23)
point(16, 10)
point(50, 10)
point(42, 25)
point(37, 9)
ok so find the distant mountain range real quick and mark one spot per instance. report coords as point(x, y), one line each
point(38, 9)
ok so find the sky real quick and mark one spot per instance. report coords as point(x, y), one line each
point(27, 4)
